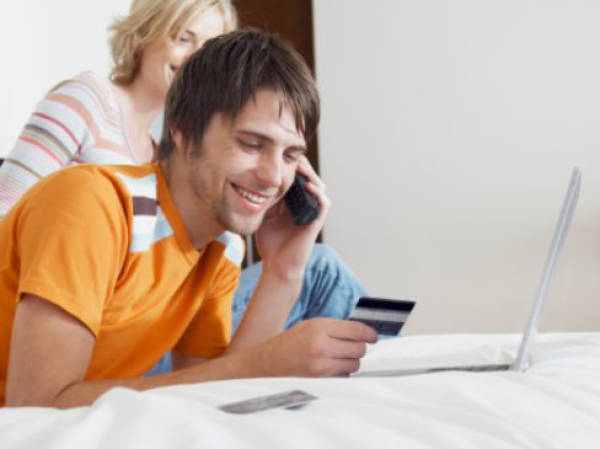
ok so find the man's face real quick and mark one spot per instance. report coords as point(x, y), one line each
point(245, 165)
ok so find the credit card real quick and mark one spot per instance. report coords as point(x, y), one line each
point(292, 399)
point(386, 316)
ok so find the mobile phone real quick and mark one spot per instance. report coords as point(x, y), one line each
point(302, 204)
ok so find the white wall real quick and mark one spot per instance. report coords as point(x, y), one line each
point(449, 130)
point(448, 135)
point(43, 42)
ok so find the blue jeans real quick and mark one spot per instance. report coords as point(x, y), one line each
point(329, 289)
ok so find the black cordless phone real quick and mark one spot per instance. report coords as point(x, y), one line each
point(303, 206)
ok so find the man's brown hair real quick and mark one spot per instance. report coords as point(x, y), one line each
point(226, 73)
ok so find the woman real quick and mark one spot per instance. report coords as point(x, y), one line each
point(88, 119)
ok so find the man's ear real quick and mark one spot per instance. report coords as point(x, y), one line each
point(176, 138)
point(179, 144)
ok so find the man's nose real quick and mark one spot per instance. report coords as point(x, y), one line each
point(269, 170)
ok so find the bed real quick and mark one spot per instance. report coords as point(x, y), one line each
point(556, 404)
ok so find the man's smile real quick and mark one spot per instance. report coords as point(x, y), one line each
point(252, 196)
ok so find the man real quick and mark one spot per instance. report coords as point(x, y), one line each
point(104, 269)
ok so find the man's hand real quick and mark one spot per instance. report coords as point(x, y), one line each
point(316, 347)
point(283, 246)
point(285, 249)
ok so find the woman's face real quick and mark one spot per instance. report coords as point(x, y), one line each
point(162, 59)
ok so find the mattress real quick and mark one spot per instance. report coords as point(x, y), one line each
point(555, 404)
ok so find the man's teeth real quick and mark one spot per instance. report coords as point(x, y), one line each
point(251, 197)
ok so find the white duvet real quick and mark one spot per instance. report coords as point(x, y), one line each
point(556, 404)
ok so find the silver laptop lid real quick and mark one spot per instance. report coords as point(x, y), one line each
point(542, 291)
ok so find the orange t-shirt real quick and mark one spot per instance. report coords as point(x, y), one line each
point(108, 246)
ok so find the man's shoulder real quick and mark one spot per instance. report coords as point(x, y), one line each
point(98, 174)
point(76, 201)
point(138, 180)
point(93, 182)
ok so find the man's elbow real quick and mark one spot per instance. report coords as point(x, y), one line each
point(31, 398)
point(17, 399)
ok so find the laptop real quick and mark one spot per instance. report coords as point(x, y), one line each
point(522, 360)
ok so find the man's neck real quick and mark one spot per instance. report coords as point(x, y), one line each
point(199, 222)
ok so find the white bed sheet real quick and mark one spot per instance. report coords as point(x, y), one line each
point(556, 404)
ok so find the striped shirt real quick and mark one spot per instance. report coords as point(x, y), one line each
point(78, 121)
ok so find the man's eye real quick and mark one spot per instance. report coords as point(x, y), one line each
point(183, 39)
point(291, 157)
point(249, 144)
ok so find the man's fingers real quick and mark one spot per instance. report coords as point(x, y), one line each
point(309, 172)
point(322, 199)
point(341, 367)
point(353, 330)
point(346, 349)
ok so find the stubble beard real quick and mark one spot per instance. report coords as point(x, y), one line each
point(223, 211)
point(238, 224)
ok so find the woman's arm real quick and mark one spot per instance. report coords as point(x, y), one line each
point(54, 133)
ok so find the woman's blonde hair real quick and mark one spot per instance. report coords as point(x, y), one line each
point(151, 20)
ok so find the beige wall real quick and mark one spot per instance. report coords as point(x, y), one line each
point(448, 135)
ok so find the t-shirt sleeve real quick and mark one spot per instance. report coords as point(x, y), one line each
point(56, 130)
point(72, 241)
point(209, 333)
